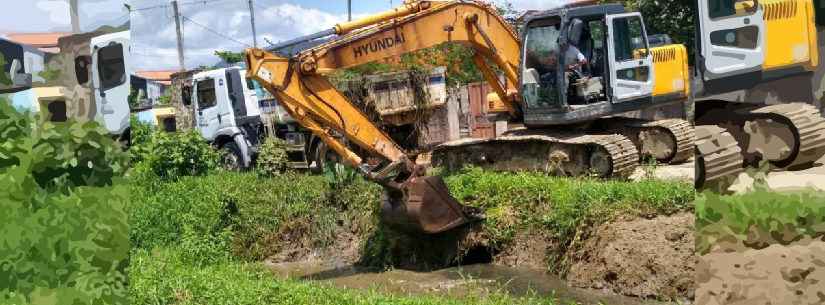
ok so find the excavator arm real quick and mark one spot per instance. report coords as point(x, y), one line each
point(299, 83)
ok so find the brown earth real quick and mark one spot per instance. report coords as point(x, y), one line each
point(778, 274)
point(642, 257)
point(648, 258)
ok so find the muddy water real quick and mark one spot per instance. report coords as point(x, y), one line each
point(475, 280)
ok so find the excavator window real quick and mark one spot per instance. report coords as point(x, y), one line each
point(541, 63)
point(631, 44)
point(729, 8)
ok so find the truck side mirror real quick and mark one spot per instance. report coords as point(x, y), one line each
point(186, 95)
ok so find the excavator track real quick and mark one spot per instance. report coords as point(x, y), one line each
point(718, 156)
point(806, 126)
point(669, 141)
point(550, 151)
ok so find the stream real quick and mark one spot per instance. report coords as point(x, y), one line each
point(470, 280)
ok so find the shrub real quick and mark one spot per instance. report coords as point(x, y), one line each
point(65, 234)
point(169, 156)
point(272, 158)
point(58, 156)
point(141, 140)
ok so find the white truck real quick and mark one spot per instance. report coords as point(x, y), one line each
point(227, 114)
point(89, 80)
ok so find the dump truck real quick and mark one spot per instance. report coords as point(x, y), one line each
point(569, 110)
point(757, 86)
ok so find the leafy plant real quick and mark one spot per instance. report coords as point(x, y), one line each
point(230, 57)
point(164, 99)
point(758, 219)
point(272, 158)
point(50, 75)
point(173, 155)
point(339, 175)
point(64, 223)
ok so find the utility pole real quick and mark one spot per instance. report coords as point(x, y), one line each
point(349, 10)
point(180, 36)
point(254, 34)
point(73, 13)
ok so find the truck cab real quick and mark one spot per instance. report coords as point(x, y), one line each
point(110, 80)
point(227, 113)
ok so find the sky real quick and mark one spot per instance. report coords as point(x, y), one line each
point(53, 15)
point(154, 38)
point(208, 25)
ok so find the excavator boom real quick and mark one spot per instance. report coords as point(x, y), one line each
point(412, 201)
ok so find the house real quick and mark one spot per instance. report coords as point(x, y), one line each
point(46, 42)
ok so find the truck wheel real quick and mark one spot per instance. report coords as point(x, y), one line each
point(231, 157)
point(322, 156)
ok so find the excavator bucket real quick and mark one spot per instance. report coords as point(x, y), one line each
point(424, 205)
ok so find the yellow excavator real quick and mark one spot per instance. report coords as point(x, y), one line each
point(566, 78)
point(757, 77)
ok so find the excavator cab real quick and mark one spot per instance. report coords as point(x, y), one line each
point(583, 63)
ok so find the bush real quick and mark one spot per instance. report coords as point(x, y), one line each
point(141, 140)
point(65, 234)
point(169, 156)
point(58, 156)
point(272, 158)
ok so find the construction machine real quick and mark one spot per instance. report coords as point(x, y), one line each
point(567, 77)
point(755, 85)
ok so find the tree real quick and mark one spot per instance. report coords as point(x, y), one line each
point(230, 57)
point(672, 17)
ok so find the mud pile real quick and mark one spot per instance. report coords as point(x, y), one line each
point(778, 274)
point(649, 258)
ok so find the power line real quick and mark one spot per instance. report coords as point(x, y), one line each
point(213, 31)
point(204, 2)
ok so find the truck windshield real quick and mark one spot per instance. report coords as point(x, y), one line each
point(541, 63)
point(111, 67)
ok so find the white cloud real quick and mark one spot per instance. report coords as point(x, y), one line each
point(58, 11)
point(153, 31)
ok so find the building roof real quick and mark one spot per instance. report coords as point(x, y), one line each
point(160, 75)
point(46, 42)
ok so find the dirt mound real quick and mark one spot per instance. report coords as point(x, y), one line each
point(793, 274)
point(642, 257)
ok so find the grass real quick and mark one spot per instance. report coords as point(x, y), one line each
point(758, 218)
point(199, 240)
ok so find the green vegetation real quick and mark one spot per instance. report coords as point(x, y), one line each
point(65, 234)
point(272, 157)
point(5, 80)
point(207, 234)
point(758, 219)
point(230, 57)
point(168, 156)
point(515, 202)
point(50, 75)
